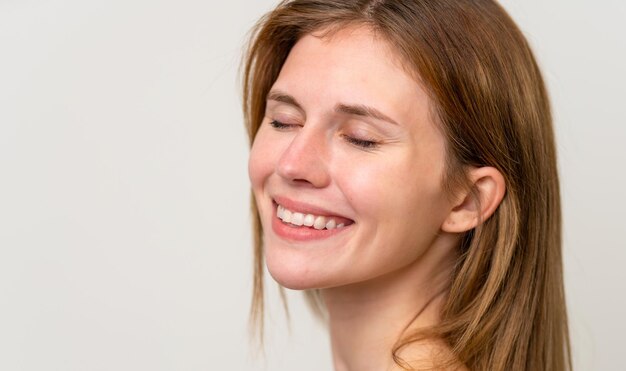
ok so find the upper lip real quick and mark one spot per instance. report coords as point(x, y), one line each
point(305, 208)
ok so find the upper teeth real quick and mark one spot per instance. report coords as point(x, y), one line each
point(308, 220)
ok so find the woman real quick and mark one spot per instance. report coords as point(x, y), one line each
point(403, 171)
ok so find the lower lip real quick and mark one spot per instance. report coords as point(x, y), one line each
point(294, 233)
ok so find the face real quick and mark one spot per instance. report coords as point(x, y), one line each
point(346, 167)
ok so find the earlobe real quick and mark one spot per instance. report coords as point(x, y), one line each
point(477, 204)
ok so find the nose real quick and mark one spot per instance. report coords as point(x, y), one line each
point(304, 161)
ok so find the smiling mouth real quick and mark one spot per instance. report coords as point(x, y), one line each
point(310, 221)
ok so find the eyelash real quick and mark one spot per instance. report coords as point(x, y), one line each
point(279, 125)
point(361, 143)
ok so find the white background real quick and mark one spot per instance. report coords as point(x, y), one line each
point(124, 225)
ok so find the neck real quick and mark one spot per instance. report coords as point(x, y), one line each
point(368, 318)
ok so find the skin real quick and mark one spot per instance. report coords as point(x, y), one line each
point(395, 260)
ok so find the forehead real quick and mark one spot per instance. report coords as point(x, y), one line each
point(353, 65)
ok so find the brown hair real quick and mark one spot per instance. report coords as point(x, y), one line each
point(505, 309)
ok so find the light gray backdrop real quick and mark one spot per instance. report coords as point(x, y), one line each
point(124, 226)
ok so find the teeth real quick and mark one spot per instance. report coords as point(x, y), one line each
point(286, 216)
point(320, 222)
point(297, 219)
point(307, 220)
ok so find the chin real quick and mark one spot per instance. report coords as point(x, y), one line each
point(296, 272)
point(292, 276)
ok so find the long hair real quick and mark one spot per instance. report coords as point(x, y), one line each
point(505, 306)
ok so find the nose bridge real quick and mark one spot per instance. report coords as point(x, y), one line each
point(304, 160)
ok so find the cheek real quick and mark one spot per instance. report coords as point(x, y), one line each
point(262, 160)
point(391, 187)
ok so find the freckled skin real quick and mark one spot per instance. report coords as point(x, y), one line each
point(393, 192)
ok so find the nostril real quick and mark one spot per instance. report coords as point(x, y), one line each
point(300, 181)
point(314, 175)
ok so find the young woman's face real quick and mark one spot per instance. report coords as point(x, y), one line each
point(346, 167)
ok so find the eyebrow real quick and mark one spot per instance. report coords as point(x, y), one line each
point(350, 109)
point(363, 110)
point(279, 96)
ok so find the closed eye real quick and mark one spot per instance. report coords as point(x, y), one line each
point(363, 143)
point(279, 125)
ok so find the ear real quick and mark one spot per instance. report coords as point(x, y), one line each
point(488, 187)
